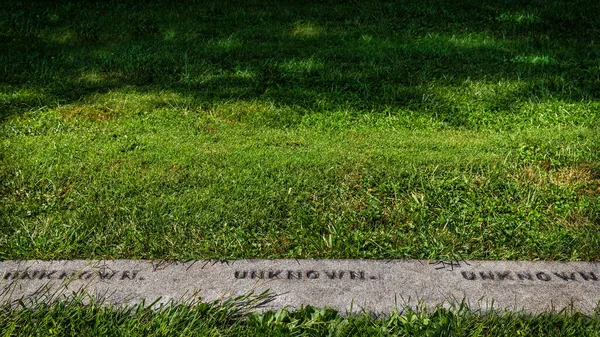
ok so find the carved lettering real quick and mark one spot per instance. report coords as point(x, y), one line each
point(311, 274)
point(332, 274)
point(11, 275)
point(469, 276)
point(43, 274)
point(354, 275)
point(588, 276)
point(523, 276)
point(85, 275)
point(294, 275)
point(126, 274)
point(260, 274)
point(46, 274)
point(486, 276)
point(274, 274)
point(238, 274)
point(543, 276)
point(504, 275)
point(566, 276)
point(106, 275)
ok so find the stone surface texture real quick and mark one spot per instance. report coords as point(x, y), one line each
point(377, 286)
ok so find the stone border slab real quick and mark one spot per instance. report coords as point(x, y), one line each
point(376, 286)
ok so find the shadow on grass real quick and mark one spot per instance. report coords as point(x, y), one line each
point(456, 63)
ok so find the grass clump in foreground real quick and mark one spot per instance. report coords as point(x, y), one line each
point(85, 316)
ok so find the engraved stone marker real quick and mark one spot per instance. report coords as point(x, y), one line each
point(346, 285)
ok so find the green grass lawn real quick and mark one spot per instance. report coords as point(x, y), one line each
point(82, 317)
point(273, 129)
point(268, 130)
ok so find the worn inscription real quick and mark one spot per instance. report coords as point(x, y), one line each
point(57, 274)
point(305, 274)
point(544, 276)
point(286, 274)
point(345, 285)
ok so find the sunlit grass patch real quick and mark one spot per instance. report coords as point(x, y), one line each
point(246, 111)
point(581, 178)
point(26, 96)
point(456, 44)
point(95, 77)
point(301, 66)
point(578, 220)
point(169, 34)
point(306, 30)
point(90, 113)
point(227, 44)
point(64, 36)
point(195, 73)
point(535, 59)
point(520, 17)
point(574, 176)
point(120, 103)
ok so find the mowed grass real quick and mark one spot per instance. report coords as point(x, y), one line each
point(87, 316)
point(270, 129)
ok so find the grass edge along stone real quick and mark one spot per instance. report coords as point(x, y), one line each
point(83, 314)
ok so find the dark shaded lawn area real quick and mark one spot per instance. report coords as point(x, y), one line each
point(474, 64)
